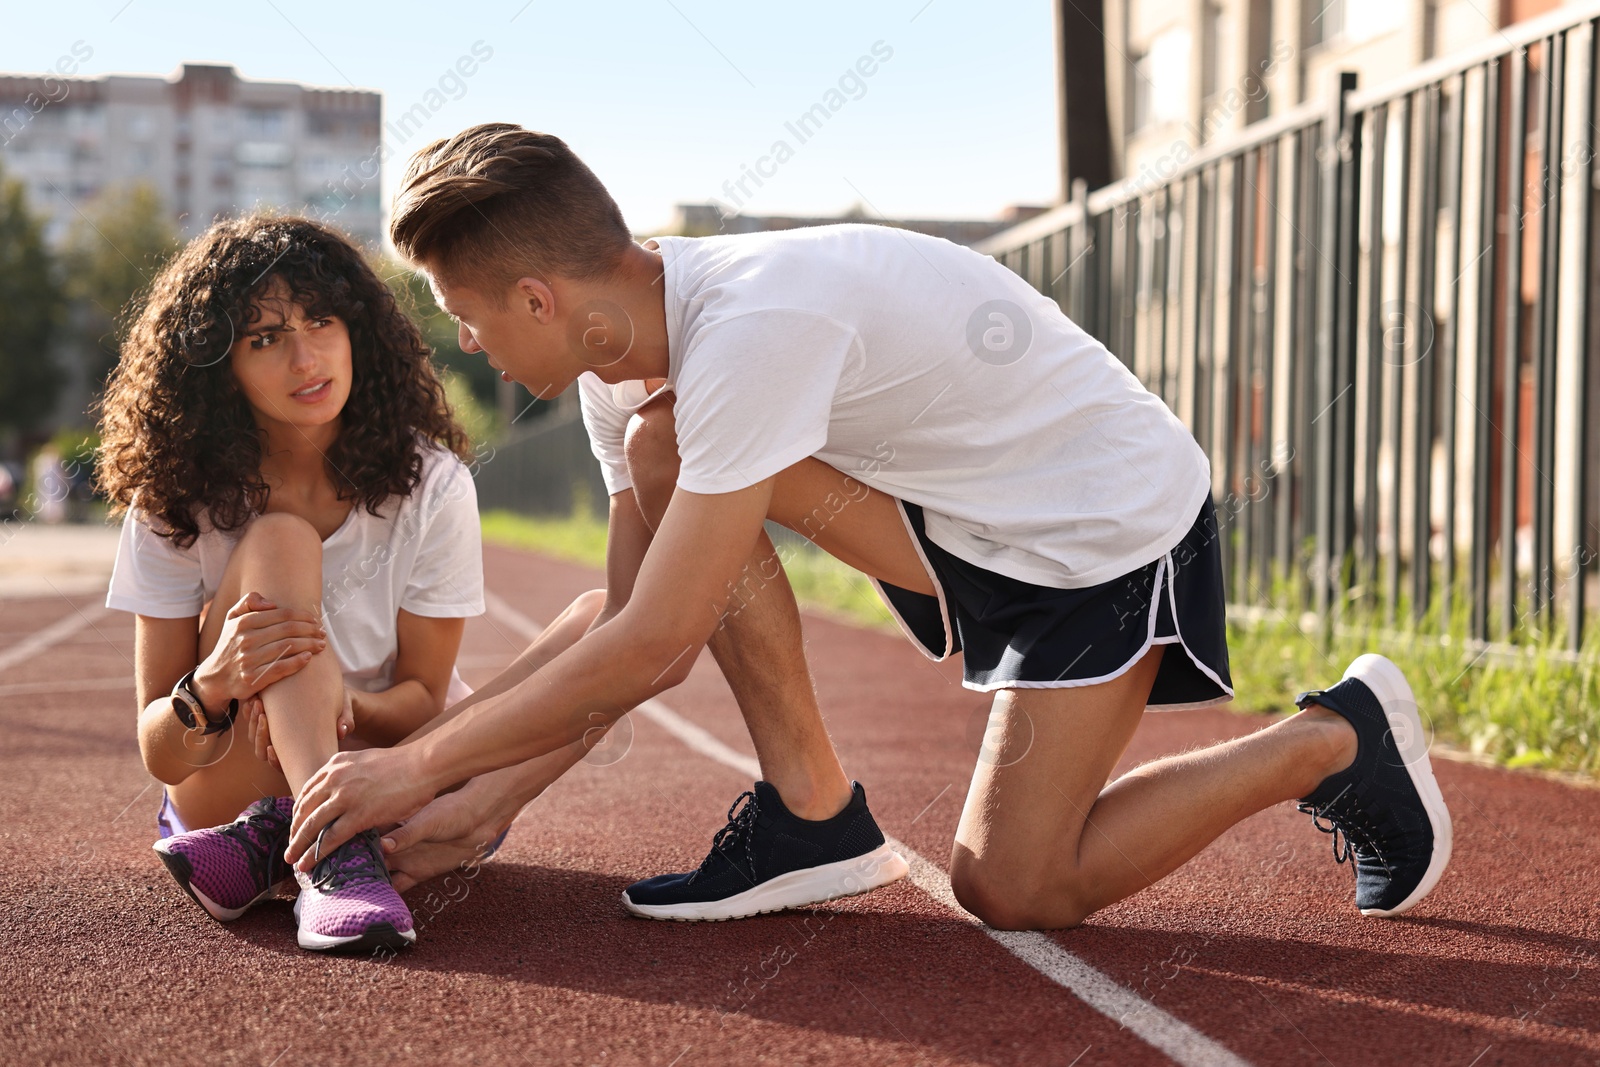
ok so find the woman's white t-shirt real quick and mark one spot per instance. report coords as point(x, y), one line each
point(928, 371)
point(421, 552)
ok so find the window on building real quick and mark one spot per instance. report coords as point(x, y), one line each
point(1349, 21)
point(1139, 82)
point(1159, 92)
point(85, 120)
point(264, 123)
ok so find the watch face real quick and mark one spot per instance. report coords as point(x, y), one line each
point(185, 710)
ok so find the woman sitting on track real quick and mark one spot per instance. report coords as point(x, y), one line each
point(301, 550)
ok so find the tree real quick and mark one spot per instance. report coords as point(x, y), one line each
point(113, 252)
point(30, 314)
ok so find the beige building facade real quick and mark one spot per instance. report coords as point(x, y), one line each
point(1183, 73)
point(211, 143)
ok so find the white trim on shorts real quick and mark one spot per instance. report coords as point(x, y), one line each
point(1164, 571)
point(938, 592)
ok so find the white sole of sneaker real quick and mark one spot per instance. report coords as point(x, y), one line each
point(813, 885)
point(179, 869)
point(378, 935)
point(1388, 683)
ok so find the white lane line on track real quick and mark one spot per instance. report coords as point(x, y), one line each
point(65, 685)
point(53, 634)
point(1180, 1041)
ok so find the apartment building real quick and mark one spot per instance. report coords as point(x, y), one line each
point(210, 142)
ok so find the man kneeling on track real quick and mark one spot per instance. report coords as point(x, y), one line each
point(922, 414)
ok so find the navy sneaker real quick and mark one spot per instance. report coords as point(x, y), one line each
point(1386, 805)
point(767, 859)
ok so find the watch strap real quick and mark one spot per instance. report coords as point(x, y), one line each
point(186, 704)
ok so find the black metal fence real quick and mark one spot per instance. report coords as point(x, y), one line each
point(544, 469)
point(1374, 316)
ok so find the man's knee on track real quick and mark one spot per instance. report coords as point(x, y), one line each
point(1008, 900)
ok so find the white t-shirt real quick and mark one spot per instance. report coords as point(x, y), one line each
point(928, 371)
point(422, 552)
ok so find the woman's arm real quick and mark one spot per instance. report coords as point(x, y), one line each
point(259, 644)
point(424, 661)
point(164, 651)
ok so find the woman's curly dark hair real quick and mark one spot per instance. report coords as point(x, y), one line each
point(178, 436)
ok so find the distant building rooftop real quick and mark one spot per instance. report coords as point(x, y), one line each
point(704, 220)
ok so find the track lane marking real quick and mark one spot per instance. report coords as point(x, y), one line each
point(53, 634)
point(66, 685)
point(1180, 1041)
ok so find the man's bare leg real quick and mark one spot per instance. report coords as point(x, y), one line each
point(759, 647)
point(1043, 840)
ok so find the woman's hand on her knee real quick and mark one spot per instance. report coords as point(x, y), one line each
point(260, 644)
point(255, 715)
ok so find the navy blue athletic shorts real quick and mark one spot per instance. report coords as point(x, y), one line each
point(1016, 635)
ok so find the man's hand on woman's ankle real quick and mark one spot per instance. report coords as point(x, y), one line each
point(451, 833)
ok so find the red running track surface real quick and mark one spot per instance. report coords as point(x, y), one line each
point(1255, 944)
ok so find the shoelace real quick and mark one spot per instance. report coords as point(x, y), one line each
point(356, 862)
point(261, 824)
point(256, 830)
point(1349, 820)
point(740, 828)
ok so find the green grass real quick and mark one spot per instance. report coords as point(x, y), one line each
point(1524, 703)
point(580, 537)
point(824, 584)
point(1540, 712)
point(820, 582)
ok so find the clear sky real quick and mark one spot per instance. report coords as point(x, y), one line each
point(666, 100)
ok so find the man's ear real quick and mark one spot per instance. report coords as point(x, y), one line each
point(538, 298)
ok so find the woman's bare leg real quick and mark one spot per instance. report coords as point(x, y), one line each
point(279, 557)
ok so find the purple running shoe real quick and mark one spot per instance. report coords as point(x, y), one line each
point(348, 903)
point(226, 869)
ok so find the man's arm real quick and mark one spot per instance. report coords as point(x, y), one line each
point(684, 585)
point(453, 828)
point(627, 540)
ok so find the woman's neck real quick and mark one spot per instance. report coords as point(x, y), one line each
point(295, 458)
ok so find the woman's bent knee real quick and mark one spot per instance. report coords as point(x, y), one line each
point(587, 607)
point(280, 530)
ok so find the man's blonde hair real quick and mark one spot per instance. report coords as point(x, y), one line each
point(497, 202)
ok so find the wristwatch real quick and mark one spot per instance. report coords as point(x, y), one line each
point(186, 705)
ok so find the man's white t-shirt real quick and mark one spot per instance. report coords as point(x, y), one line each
point(925, 370)
point(422, 552)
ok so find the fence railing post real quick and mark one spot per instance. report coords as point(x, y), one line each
point(1584, 59)
point(1335, 350)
